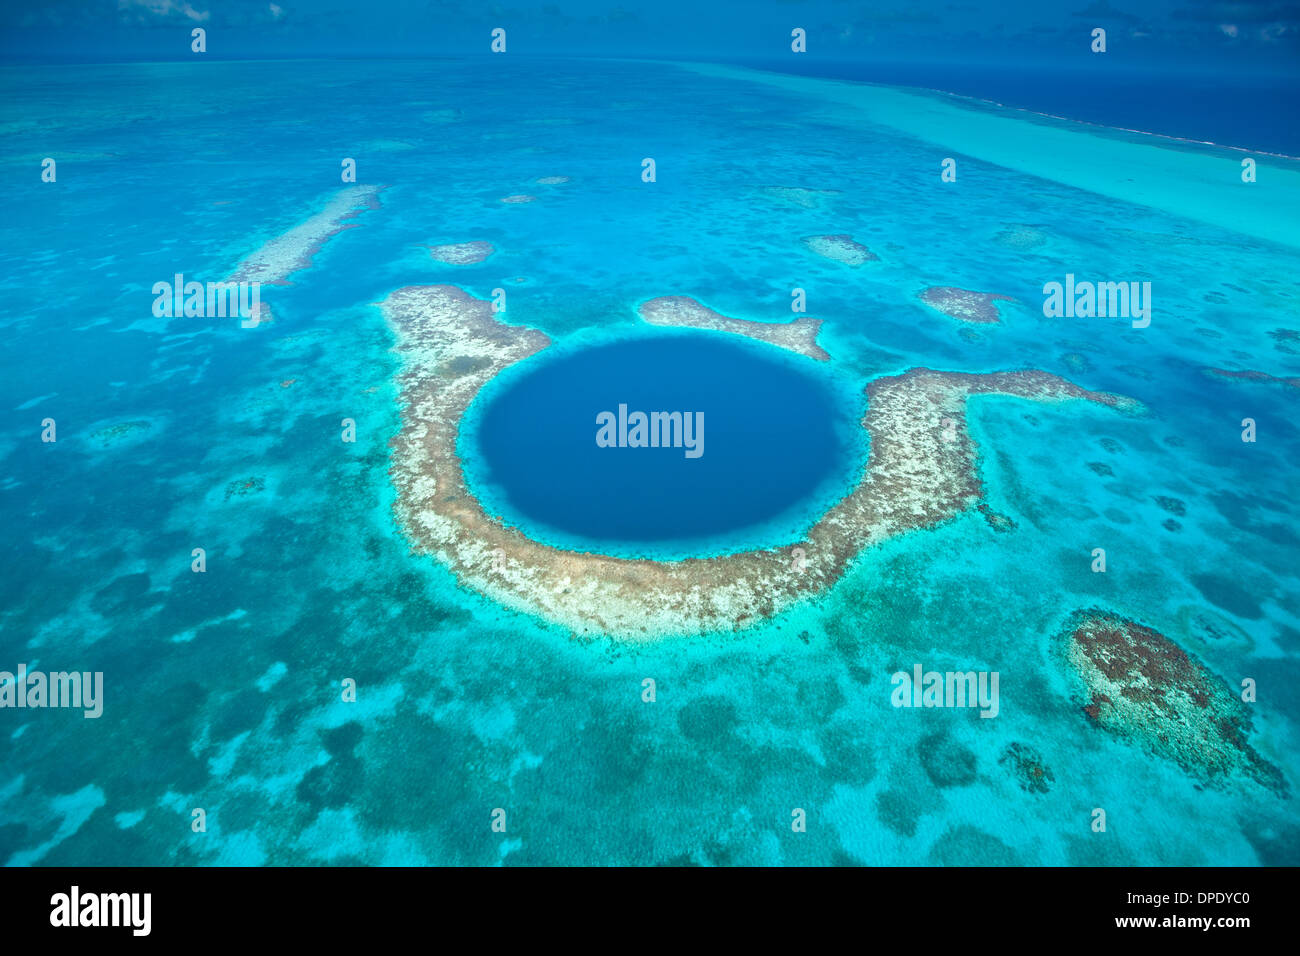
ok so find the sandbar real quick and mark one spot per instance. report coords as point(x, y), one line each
point(293, 250)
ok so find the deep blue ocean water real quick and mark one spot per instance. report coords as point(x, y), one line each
point(223, 688)
point(1249, 110)
point(770, 446)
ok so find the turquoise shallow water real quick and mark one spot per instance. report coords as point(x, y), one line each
point(222, 689)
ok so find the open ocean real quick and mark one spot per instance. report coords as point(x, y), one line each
point(1255, 111)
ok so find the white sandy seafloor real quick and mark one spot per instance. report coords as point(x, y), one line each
point(223, 689)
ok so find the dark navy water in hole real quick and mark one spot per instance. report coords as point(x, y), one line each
point(769, 441)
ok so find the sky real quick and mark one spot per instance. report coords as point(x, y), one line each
point(1198, 35)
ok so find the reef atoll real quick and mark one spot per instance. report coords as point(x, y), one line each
point(1252, 375)
point(964, 305)
point(921, 471)
point(462, 253)
point(840, 248)
point(1142, 687)
point(679, 310)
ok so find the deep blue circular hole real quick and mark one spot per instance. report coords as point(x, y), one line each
point(769, 442)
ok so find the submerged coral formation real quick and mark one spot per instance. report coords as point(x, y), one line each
point(1026, 766)
point(1175, 506)
point(121, 432)
point(1078, 364)
point(798, 195)
point(1142, 687)
point(799, 335)
point(921, 471)
point(293, 250)
point(1022, 237)
point(995, 519)
point(1286, 340)
point(1252, 375)
point(965, 305)
point(243, 487)
point(462, 253)
point(841, 248)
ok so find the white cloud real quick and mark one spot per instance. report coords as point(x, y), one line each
point(164, 8)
